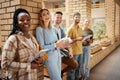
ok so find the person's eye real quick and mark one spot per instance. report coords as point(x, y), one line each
point(22, 20)
point(28, 19)
point(43, 14)
point(48, 13)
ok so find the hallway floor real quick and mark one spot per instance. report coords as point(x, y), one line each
point(107, 69)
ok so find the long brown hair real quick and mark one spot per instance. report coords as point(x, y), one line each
point(41, 22)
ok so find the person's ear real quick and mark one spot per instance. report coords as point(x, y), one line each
point(40, 18)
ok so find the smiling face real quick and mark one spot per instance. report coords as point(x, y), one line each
point(24, 22)
point(45, 15)
point(76, 19)
point(58, 19)
point(86, 23)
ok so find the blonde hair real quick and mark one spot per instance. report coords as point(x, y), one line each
point(41, 22)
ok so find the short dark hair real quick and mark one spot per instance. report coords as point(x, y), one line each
point(76, 14)
point(59, 12)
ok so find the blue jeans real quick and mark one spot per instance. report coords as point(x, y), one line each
point(53, 65)
point(86, 60)
point(78, 71)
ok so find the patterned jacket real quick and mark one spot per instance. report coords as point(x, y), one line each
point(15, 57)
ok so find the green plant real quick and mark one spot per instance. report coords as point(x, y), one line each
point(99, 29)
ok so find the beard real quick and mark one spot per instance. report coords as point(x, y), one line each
point(58, 22)
point(77, 22)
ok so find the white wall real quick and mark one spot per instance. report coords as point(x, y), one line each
point(98, 13)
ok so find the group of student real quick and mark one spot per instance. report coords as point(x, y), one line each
point(20, 45)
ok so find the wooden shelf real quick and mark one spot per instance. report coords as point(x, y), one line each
point(100, 55)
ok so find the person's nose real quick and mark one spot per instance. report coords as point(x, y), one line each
point(26, 21)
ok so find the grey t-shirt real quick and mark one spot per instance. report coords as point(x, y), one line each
point(86, 33)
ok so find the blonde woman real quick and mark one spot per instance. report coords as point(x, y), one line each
point(86, 47)
point(48, 39)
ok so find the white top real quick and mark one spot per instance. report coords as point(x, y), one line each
point(59, 32)
point(30, 42)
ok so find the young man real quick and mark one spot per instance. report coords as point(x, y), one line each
point(69, 61)
point(75, 33)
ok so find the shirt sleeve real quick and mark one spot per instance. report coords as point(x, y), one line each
point(9, 54)
point(69, 33)
point(40, 38)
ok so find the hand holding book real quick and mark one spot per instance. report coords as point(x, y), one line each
point(42, 53)
point(87, 37)
point(64, 42)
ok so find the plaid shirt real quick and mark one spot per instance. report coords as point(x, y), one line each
point(17, 46)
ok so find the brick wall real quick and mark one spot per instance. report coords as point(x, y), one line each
point(117, 22)
point(112, 20)
point(7, 8)
point(82, 6)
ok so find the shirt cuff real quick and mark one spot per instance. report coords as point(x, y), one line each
point(55, 46)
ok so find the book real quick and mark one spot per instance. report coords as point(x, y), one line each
point(64, 52)
point(66, 41)
point(40, 54)
point(87, 37)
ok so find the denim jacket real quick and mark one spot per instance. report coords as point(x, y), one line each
point(62, 32)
